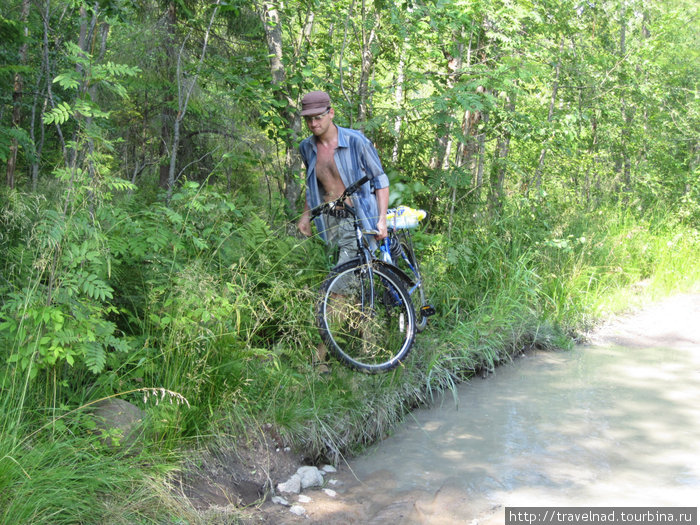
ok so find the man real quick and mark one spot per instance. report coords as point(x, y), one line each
point(335, 157)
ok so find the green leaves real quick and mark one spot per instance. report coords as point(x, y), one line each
point(68, 80)
point(93, 286)
point(58, 115)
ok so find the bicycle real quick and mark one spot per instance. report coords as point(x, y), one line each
point(399, 247)
point(365, 314)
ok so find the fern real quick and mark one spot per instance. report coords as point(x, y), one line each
point(95, 356)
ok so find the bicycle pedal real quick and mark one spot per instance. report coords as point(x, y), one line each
point(427, 310)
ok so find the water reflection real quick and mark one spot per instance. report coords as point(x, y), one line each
point(593, 426)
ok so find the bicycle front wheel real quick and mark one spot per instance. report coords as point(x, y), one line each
point(365, 317)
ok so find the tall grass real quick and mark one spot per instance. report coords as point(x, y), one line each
point(209, 300)
point(609, 261)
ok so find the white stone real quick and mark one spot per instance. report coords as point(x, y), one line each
point(328, 469)
point(279, 500)
point(310, 477)
point(304, 499)
point(330, 492)
point(291, 486)
point(298, 510)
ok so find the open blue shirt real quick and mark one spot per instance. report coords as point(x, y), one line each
point(354, 157)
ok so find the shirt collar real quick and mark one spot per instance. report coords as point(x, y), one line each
point(342, 139)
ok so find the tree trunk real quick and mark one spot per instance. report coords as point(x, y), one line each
point(17, 99)
point(49, 78)
point(167, 115)
point(693, 165)
point(626, 114)
point(481, 140)
point(365, 66)
point(184, 92)
point(500, 163)
point(550, 116)
point(398, 100)
point(273, 35)
point(38, 147)
point(455, 65)
point(341, 56)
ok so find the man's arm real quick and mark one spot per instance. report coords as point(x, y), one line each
point(383, 204)
point(304, 224)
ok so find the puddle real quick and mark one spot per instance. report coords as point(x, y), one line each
point(591, 427)
point(611, 424)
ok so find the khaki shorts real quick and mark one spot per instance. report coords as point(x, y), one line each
point(340, 232)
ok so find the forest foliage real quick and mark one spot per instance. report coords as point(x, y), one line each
point(152, 183)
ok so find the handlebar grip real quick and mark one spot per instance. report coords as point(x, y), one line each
point(355, 185)
point(315, 212)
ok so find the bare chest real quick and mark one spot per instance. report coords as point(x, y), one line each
point(325, 161)
point(327, 172)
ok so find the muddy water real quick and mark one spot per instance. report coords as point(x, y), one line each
point(616, 423)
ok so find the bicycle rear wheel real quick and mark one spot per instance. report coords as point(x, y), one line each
point(412, 268)
point(365, 317)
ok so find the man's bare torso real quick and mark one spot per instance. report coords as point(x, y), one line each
point(327, 172)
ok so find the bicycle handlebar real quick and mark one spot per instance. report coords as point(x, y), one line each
point(327, 206)
point(354, 187)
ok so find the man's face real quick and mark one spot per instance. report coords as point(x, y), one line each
point(318, 124)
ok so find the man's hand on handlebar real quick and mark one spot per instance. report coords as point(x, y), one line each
point(340, 201)
point(381, 226)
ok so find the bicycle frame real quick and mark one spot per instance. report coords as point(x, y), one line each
point(417, 280)
point(380, 295)
point(364, 254)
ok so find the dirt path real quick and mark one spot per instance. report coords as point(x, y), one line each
point(615, 422)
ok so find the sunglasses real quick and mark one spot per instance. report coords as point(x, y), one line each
point(317, 117)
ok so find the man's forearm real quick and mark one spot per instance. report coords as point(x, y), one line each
point(382, 204)
point(382, 200)
point(304, 224)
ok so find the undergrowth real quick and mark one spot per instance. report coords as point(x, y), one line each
point(209, 299)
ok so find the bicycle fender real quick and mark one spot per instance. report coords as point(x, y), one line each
point(396, 271)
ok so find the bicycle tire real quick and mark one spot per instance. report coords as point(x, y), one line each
point(421, 320)
point(369, 336)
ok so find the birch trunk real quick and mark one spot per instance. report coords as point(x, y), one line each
point(398, 100)
point(167, 115)
point(363, 91)
point(273, 35)
point(550, 117)
point(499, 167)
point(184, 92)
point(17, 99)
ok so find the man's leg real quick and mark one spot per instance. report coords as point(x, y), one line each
point(340, 234)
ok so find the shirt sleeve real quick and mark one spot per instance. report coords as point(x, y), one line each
point(373, 165)
point(302, 152)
